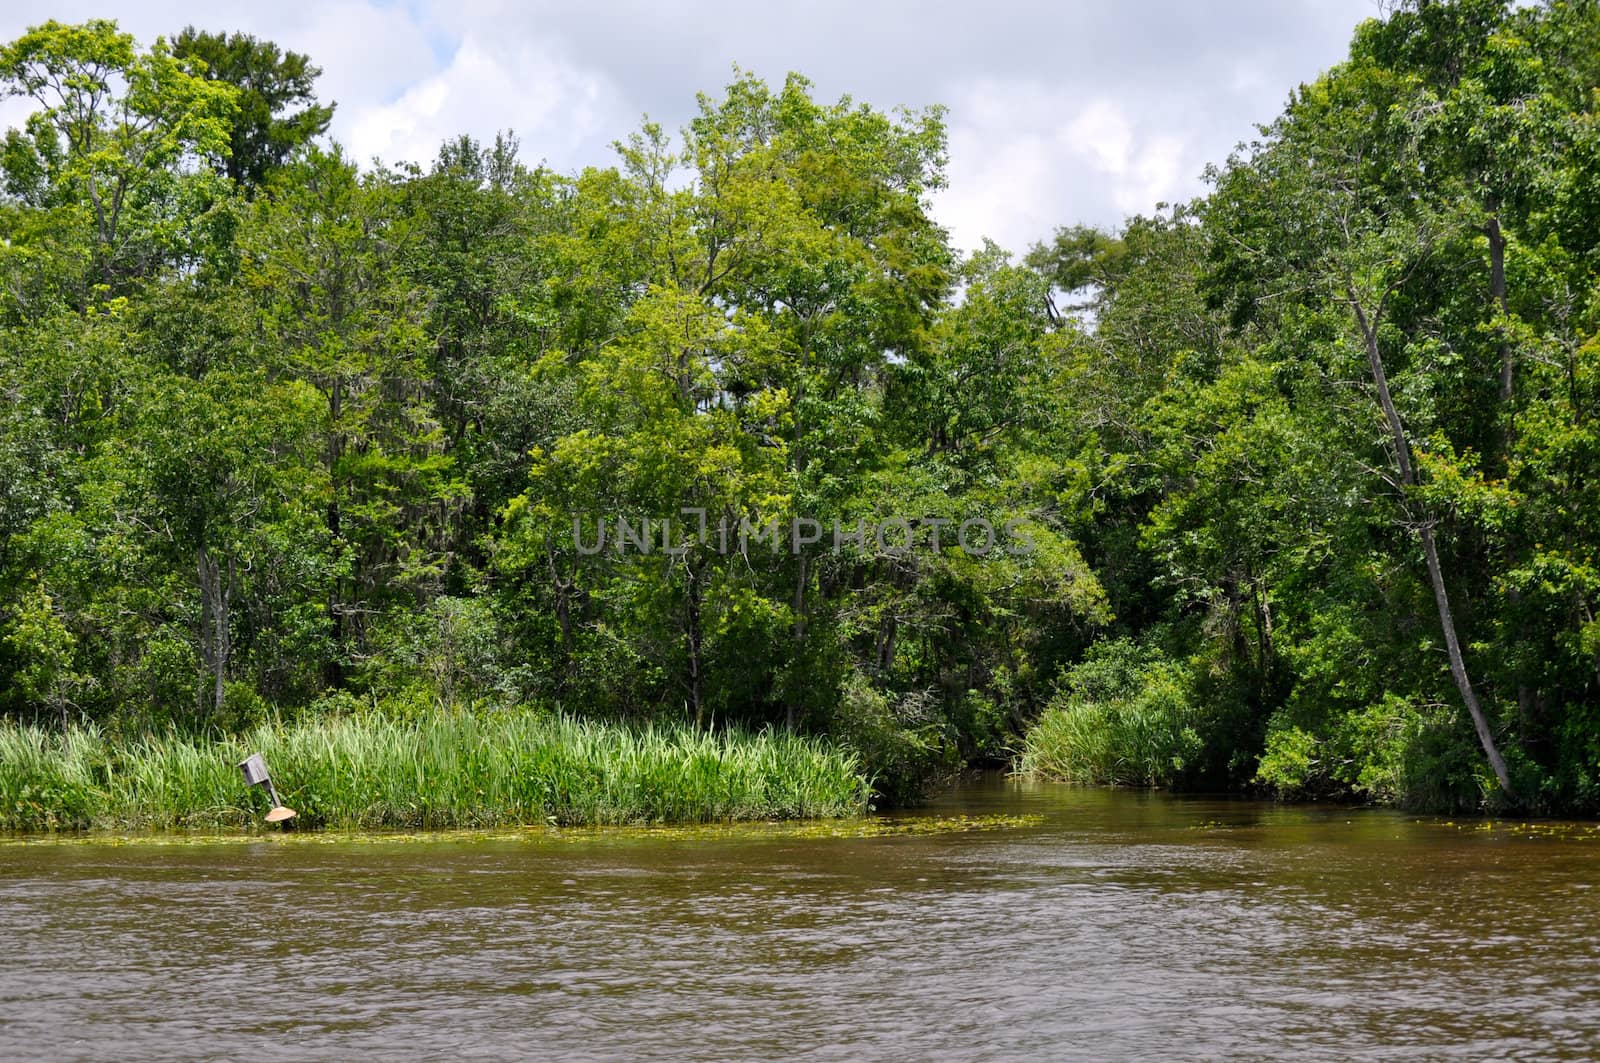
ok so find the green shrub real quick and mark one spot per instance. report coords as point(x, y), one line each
point(899, 741)
point(1123, 716)
point(448, 653)
point(1395, 751)
point(1289, 763)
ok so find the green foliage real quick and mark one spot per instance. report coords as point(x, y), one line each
point(1288, 762)
point(441, 771)
point(1393, 751)
point(1321, 393)
point(446, 655)
point(900, 743)
point(41, 651)
point(282, 435)
point(267, 81)
point(1124, 716)
point(105, 152)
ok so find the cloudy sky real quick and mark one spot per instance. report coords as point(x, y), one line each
point(1077, 110)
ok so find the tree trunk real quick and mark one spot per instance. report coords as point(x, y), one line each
point(1497, 290)
point(1458, 667)
point(888, 631)
point(1441, 596)
point(333, 669)
point(1264, 649)
point(216, 594)
point(222, 617)
point(693, 642)
point(792, 713)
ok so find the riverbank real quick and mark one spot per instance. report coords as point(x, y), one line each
point(439, 772)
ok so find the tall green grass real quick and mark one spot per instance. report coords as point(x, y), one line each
point(1123, 717)
point(437, 772)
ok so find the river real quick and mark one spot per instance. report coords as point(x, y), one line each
point(1091, 924)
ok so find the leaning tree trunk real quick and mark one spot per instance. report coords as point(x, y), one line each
point(1441, 595)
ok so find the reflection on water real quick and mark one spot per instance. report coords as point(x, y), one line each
point(1111, 925)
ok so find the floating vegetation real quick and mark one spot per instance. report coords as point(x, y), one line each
point(1564, 830)
point(857, 827)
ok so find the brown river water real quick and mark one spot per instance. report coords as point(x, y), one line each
point(1090, 924)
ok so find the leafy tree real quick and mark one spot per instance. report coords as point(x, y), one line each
point(114, 127)
point(323, 257)
point(268, 82)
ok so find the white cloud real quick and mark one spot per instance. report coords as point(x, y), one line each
point(1026, 158)
point(1136, 171)
point(1101, 133)
point(551, 105)
point(369, 53)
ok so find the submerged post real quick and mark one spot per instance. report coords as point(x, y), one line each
point(254, 769)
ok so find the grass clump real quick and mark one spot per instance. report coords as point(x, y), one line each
point(437, 772)
point(1123, 717)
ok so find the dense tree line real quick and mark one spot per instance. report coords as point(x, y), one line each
point(1306, 467)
